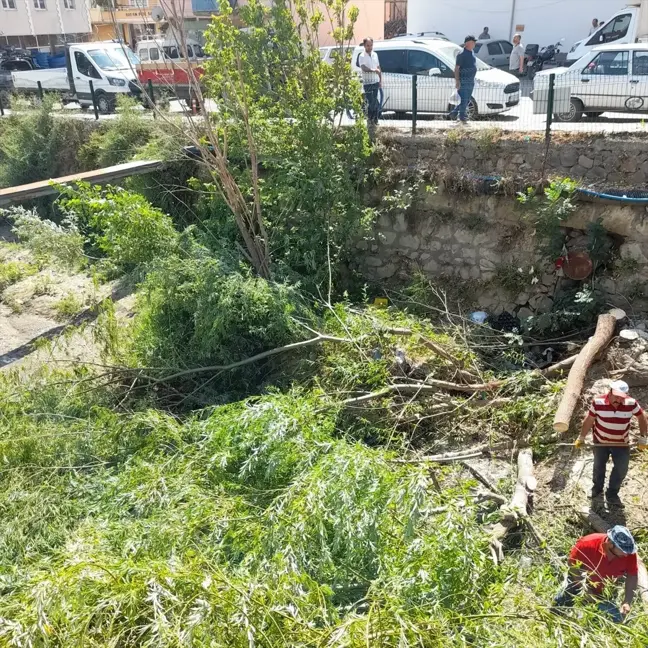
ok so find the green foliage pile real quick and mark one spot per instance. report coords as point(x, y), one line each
point(37, 145)
point(195, 312)
point(254, 523)
point(13, 271)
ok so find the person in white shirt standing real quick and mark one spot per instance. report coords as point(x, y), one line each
point(595, 26)
point(516, 62)
point(371, 79)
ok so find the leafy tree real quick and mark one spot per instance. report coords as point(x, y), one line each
point(277, 154)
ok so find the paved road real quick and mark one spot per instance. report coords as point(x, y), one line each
point(521, 118)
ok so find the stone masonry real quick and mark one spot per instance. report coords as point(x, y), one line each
point(601, 161)
point(484, 244)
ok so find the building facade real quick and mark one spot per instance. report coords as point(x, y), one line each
point(133, 20)
point(43, 24)
point(540, 21)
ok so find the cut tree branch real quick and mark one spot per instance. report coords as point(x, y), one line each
point(576, 379)
point(260, 356)
point(516, 510)
point(430, 386)
point(447, 457)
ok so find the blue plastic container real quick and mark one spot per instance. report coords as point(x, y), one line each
point(42, 59)
point(57, 61)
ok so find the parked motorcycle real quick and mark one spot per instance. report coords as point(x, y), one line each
point(546, 55)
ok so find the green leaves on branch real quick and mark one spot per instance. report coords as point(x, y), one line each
point(118, 224)
point(278, 102)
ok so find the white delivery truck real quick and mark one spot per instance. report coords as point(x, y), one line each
point(110, 65)
point(630, 25)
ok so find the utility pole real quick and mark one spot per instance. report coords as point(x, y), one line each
point(511, 31)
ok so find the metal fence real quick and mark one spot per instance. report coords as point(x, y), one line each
point(604, 98)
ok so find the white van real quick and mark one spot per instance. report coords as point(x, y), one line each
point(109, 66)
point(433, 62)
point(167, 50)
point(611, 78)
point(630, 25)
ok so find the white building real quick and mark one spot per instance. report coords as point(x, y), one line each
point(540, 21)
point(43, 23)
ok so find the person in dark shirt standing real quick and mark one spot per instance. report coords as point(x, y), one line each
point(465, 72)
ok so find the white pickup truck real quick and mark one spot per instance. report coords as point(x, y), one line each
point(111, 66)
point(630, 25)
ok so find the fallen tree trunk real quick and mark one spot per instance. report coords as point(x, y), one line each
point(516, 510)
point(576, 379)
point(601, 526)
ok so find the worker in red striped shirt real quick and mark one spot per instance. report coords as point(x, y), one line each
point(609, 418)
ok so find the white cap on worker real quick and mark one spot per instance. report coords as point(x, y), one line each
point(619, 386)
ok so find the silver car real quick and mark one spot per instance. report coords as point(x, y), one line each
point(497, 53)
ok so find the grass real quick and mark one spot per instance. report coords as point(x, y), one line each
point(13, 271)
point(67, 307)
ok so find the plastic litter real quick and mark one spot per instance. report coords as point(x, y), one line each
point(479, 317)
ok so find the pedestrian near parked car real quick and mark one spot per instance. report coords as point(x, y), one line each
point(371, 79)
point(609, 418)
point(595, 26)
point(465, 72)
point(484, 35)
point(516, 62)
point(594, 561)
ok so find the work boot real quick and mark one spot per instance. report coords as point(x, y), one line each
point(614, 499)
point(596, 493)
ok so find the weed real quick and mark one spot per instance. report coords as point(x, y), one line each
point(474, 222)
point(44, 285)
point(549, 213)
point(49, 242)
point(13, 271)
point(625, 267)
point(515, 278)
point(67, 307)
point(453, 137)
point(488, 138)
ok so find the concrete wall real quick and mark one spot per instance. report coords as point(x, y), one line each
point(545, 22)
point(482, 247)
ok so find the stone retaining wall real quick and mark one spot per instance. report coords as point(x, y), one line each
point(484, 246)
point(596, 161)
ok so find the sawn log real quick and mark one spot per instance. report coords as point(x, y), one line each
point(576, 379)
point(516, 509)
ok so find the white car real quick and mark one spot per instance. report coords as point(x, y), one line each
point(327, 54)
point(610, 78)
point(433, 63)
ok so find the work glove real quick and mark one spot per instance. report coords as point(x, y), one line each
point(642, 443)
point(579, 443)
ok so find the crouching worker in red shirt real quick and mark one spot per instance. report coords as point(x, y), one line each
point(594, 561)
